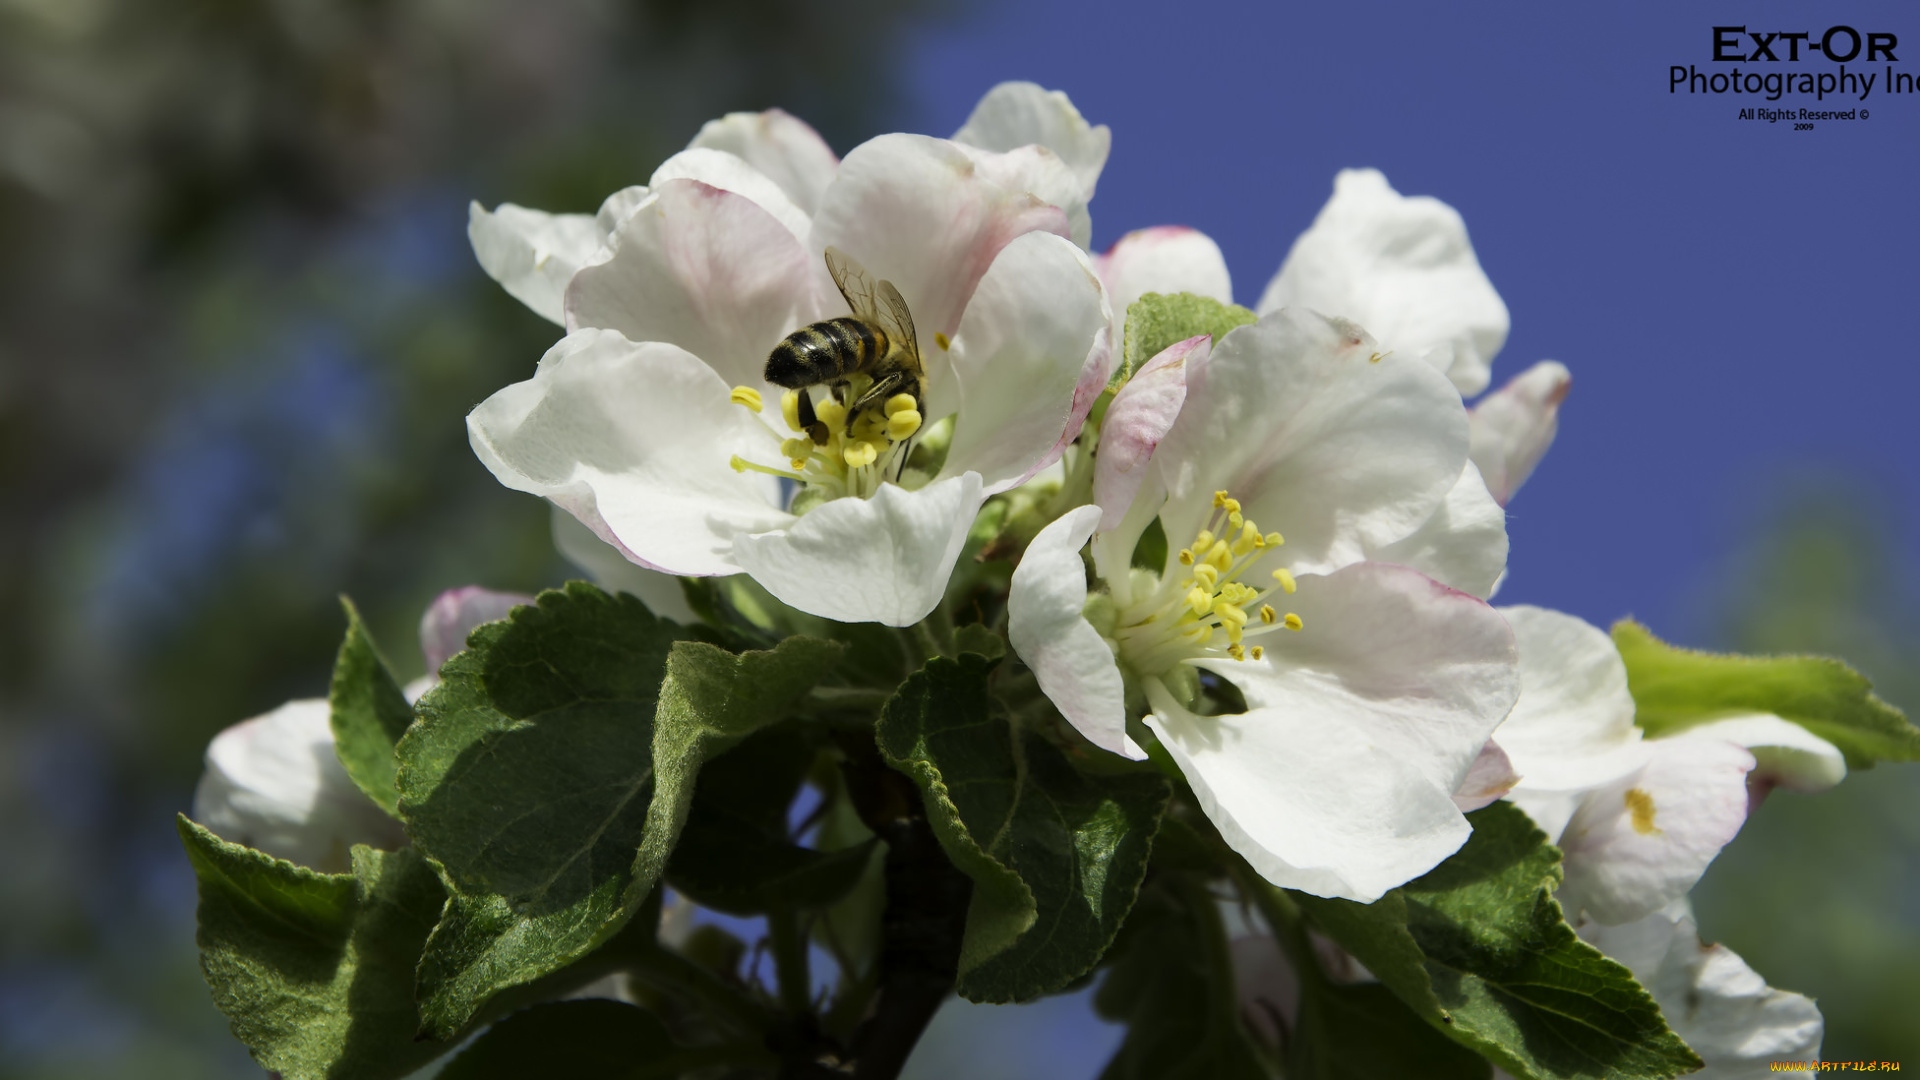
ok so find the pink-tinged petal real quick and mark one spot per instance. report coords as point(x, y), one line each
point(1425, 673)
point(533, 254)
point(1164, 259)
point(1016, 114)
point(636, 441)
point(1339, 449)
point(274, 783)
point(454, 614)
point(1786, 754)
point(1314, 805)
point(1573, 725)
point(704, 269)
point(783, 148)
point(884, 559)
point(1140, 415)
point(1463, 545)
point(1741, 1027)
point(717, 168)
point(1073, 663)
point(1513, 427)
point(924, 214)
point(1490, 777)
point(608, 567)
point(1404, 269)
point(1032, 341)
point(1638, 844)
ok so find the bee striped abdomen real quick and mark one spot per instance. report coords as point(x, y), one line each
point(825, 351)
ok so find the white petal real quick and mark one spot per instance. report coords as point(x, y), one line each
point(885, 559)
point(1550, 810)
point(611, 570)
point(1068, 656)
point(619, 206)
point(1312, 805)
point(1140, 415)
point(1015, 114)
point(1164, 259)
point(636, 441)
point(924, 214)
point(454, 614)
point(533, 254)
point(1404, 269)
point(1340, 453)
point(706, 270)
point(1040, 173)
point(782, 147)
point(1723, 1009)
point(1490, 777)
point(1425, 672)
point(1640, 843)
point(717, 168)
point(1573, 725)
point(274, 783)
point(1034, 332)
point(1787, 754)
point(1463, 545)
point(1513, 427)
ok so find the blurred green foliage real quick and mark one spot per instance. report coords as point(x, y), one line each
point(1821, 893)
point(239, 328)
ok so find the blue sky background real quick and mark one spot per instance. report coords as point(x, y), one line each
point(1735, 298)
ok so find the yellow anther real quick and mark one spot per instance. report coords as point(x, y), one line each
point(1293, 621)
point(1267, 614)
point(1285, 578)
point(1200, 600)
point(831, 413)
point(860, 453)
point(1237, 652)
point(1203, 541)
point(748, 398)
point(797, 449)
point(1230, 616)
point(1220, 555)
point(790, 410)
point(1235, 520)
point(900, 403)
point(1258, 652)
point(902, 424)
point(797, 463)
point(943, 341)
point(1274, 539)
point(1206, 576)
point(1249, 539)
point(739, 463)
point(869, 427)
point(1220, 499)
point(1238, 594)
point(1186, 556)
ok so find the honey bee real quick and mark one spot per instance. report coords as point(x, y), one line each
point(877, 341)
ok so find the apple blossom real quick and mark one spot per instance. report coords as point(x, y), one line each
point(1371, 687)
point(274, 782)
point(653, 424)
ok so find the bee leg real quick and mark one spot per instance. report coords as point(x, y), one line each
point(810, 421)
point(883, 388)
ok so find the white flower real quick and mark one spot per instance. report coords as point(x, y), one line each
point(1738, 1024)
point(634, 422)
point(1639, 819)
point(274, 782)
point(1371, 687)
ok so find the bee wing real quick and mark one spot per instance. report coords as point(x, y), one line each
point(897, 321)
point(855, 284)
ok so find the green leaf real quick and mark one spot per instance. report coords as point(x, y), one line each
point(1367, 1033)
point(1172, 984)
point(978, 639)
point(1158, 320)
point(1674, 689)
point(315, 971)
point(1056, 856)
point(735, 854)
point(1479, 948)
point(549, 775)
point(588, 1038)
point(369, 714)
